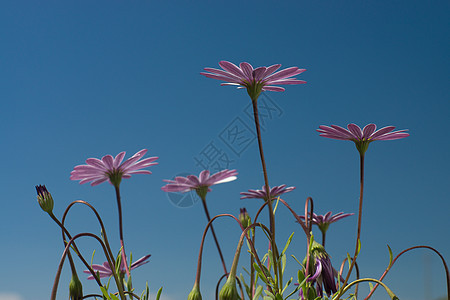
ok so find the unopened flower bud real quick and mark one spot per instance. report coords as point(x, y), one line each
point(244, 218)
point(44, 198)
point(75, 288)
point(195, 293)
point(229, 290)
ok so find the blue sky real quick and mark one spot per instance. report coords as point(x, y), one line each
point(84, 79)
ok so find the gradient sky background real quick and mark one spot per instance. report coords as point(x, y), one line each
point(83, 79)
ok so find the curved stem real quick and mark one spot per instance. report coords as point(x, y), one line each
point(252, 259)
point(75, 248)
point(99, 219)
point(391, 294)
point(358, 234)
point(214, 235)
point(409, 249)
point(119, 208)
point(199, 261)
point(61, 263)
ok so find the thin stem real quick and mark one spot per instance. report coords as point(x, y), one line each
point(214, 235)
point(75, 248)
point(119, 208)
point(266, 180)
point(253, 250)
point(447, 274)
point(99, 219)
point(61, 263)
point(323, 238)
point(358, 235)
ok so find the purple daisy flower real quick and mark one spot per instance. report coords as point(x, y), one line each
point(362, 137)
point(262, 194)
point(201, 183)
point(104, 270)
point(254, 80)
point(323, 221)
point(112, 169)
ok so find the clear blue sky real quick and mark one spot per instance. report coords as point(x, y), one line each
point(83, 79)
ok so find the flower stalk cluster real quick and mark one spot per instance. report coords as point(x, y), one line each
point(317, 279)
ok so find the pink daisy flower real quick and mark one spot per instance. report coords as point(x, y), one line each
point(254, 80)
point(112, 169)
point(104, 270)
point(262, 194)
point(201, 183)
point(362, 137)
point(323, 221)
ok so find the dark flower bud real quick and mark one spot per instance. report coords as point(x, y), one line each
point(244, 218)
point(44, 198)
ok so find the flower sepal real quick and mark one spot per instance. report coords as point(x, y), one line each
point(195, 293)
point(229, 290)
point(75, 288)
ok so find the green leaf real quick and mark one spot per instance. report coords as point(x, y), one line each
point(296, 260)
point(272, 296)
point(258, 292)
point(359, 247)
point(287, 243)
point(370, 286)
point(287, 284)
point(349, 260)
point(276, 205)
point(260, 273)
point(283, 263)
point(158, 295)
point(105, 293)
point(247, 288)
point(390, 256)
point(114, 297)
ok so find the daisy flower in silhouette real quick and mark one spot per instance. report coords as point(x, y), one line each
point(104, 270)
point(112, 169)
point(362, 137)
point(200, 184)
point(262, 194)
point(254, 80)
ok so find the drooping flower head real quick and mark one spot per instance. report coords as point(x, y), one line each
point(322, 271)
point(262, 194)
point(112, 169)
point(364, 137)
point(324, 221)
point(44, 198)
point(200, 184)
point(254, 80)
point(105, 270)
